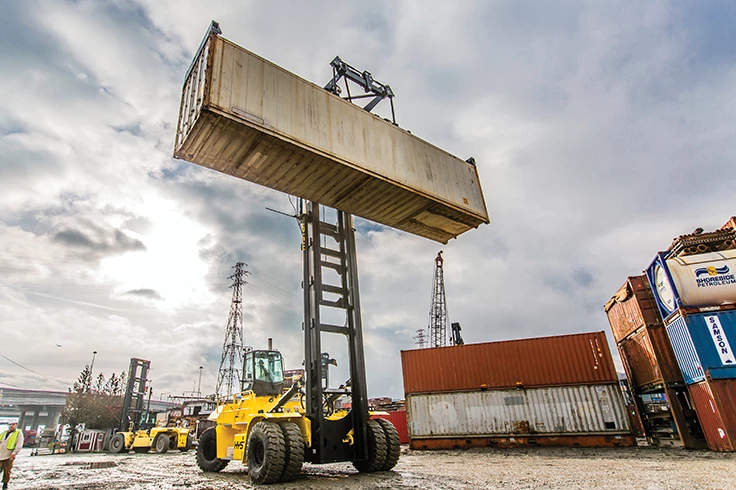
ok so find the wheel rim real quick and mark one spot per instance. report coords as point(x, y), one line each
point(259, 453)
point(210, 451)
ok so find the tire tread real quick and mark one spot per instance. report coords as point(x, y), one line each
point(393, 444)
point(376, 449)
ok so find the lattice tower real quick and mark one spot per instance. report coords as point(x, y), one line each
point(438, 308)
point(228, 377)
point(421, 338)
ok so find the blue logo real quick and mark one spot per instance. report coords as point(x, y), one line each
point(711, 271)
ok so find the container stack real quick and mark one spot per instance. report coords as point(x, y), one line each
point(661, 400)
point(552, 391)
point(696, 296)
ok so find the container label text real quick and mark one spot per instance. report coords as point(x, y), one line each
point(720, 340)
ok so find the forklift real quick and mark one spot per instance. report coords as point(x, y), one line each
point(274, 432)
point(138, 429)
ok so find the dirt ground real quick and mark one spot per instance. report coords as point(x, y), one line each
point(548, 468)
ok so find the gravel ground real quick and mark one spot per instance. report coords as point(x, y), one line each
point(548, 468)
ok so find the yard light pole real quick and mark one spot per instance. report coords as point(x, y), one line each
point(91, 366)
point(199, 385)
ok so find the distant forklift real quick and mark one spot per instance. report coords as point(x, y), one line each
point(138, 431)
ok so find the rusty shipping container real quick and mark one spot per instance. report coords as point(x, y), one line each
point(564, 415)
point(649, 359)
point(715, 404)
point(632, 307)
point(577, 359)
point(245, 116)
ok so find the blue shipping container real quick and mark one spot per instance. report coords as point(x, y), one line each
point(702, 344)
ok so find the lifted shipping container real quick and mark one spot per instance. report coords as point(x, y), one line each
point(245, 116)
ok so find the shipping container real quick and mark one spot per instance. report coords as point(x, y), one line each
point(632, 307)
point(702, 344)
point(649, 359)
point(669, 418)
point(702, 280)
point(578, 359)
point(245, 116)
point(398, 418)
point(531, 412)
point(715, 403)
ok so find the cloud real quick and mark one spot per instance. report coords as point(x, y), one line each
point(98, 240)
point(144, 293)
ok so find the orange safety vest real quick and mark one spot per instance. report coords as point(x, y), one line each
point(12, 440)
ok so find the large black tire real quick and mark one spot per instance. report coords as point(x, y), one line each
point(393, 444)
point(161, 443)
point(266, 453)
point(117, 443)
point(294, 444)
point(189, 444)
point(207, 459)
point(376, 450)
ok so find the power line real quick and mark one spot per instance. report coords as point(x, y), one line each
point(32, 371)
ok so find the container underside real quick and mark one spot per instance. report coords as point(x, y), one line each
point(233, 147)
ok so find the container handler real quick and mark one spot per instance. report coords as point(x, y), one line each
point(138, 431)
point(272, 432)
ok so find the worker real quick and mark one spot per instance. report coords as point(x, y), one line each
point(264, 374)
point(11, 442)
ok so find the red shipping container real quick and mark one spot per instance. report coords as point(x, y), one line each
point(577, 359)
point(715, 404)
point(649, 359)
point(398, 418)
point(632, 306)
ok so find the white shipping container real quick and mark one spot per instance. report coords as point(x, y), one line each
point(252, 119)
point(567, 410)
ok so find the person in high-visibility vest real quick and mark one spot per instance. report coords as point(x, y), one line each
point(11, 442)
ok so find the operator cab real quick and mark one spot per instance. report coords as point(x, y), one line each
point(263, 372)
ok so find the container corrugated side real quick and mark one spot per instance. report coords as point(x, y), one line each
point(632, 307)
point(730, 224)
point(561, 410)
point(650, 358)
point(724, 393)
point(719, 430)
point(703, 344)
point(246, 117)
point(577, 359)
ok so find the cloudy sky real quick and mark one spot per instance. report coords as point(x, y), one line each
point(601, 130)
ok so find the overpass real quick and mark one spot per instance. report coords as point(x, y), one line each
point(39, 407)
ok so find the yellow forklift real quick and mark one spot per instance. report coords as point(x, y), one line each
point(139, 431)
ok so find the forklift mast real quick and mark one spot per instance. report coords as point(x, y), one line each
point(329, 436)
point(134, 394)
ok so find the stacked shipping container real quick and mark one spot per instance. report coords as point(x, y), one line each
point(695, 295)
point(548, 391)
point(656, 383)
